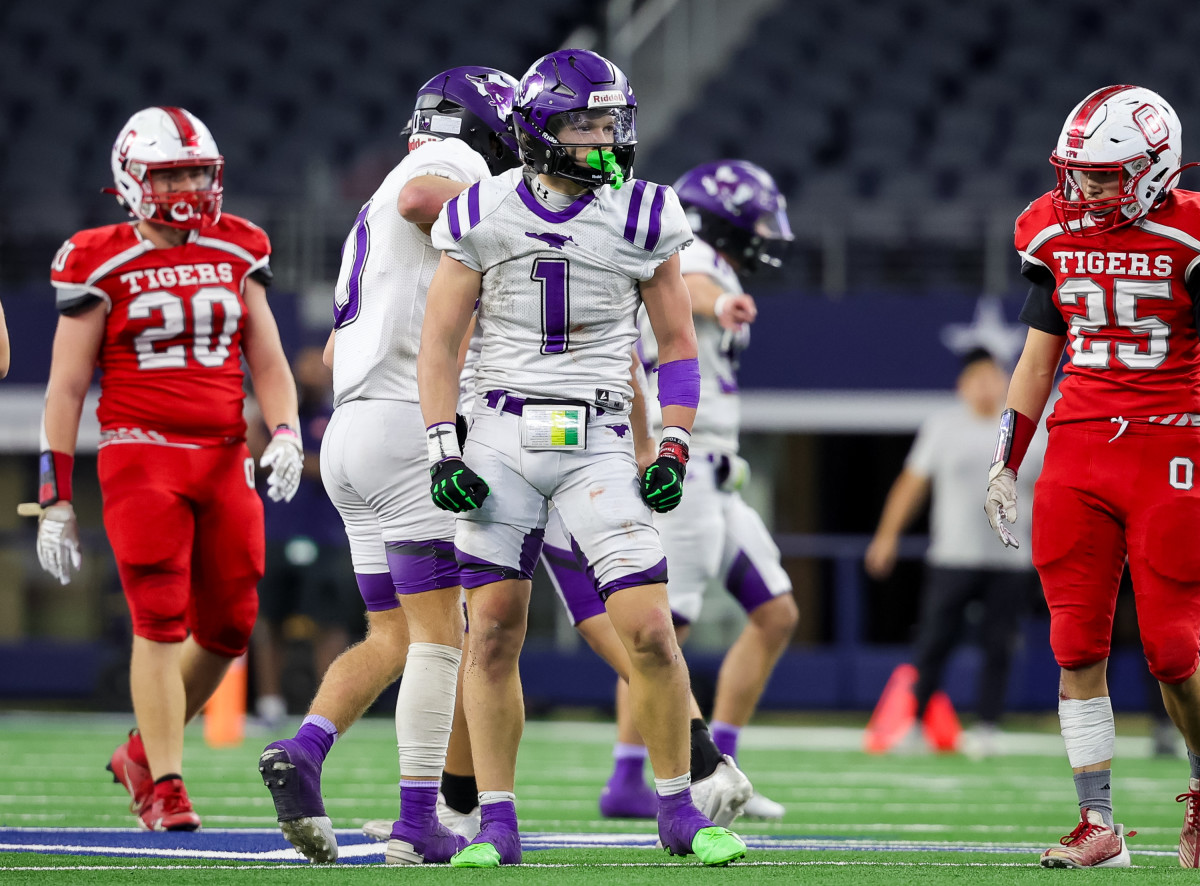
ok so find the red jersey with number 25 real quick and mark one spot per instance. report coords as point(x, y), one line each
point(1132, 345)
point(171, 355)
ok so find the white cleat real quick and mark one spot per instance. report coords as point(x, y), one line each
point(759, 806)
point(313, 838)
point(465, 824)
point(378, 829)
point(723, 795)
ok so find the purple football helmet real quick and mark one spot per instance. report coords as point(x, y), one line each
point(470, 103)
point(573, 98)
point(735, 206)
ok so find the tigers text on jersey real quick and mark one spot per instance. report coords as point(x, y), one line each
point(1125, 306)
point(718, 417)
point(559, 298)
point(171, 354)
point(387, 263)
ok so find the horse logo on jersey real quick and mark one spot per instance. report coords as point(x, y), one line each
point(494, 89)
point(554, 241)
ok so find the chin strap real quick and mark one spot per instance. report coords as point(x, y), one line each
point(606, 161)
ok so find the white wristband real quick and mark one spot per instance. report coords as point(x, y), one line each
point(719, 304)
point(441, 442)
point(677, 433)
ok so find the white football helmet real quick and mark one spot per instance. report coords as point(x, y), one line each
point(1127, 130)
point(163, 138)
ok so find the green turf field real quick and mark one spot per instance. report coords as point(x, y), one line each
point(852, 818)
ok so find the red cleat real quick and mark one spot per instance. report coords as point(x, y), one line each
point(171, 810)
point(129, 768)
point(1092, 844)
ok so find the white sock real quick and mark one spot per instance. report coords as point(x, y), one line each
point(669, 787)
point(425, 708)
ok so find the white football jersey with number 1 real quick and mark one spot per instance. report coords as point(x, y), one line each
point(558, 305)
point(387, 263)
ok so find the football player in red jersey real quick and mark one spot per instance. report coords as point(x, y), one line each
point(1113, 255)
point(166, 305)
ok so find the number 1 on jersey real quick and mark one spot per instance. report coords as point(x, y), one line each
point(553, 274)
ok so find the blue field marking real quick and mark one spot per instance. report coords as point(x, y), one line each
point(267, 845)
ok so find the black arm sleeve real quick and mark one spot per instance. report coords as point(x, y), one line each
point(263, 275)
point(1040, 311)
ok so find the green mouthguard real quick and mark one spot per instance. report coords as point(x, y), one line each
point(606, 161)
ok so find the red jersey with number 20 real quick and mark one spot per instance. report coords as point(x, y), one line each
point(171, 355)
point(1132, 348)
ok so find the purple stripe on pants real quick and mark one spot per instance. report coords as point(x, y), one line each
point(377, 590)
point(746, 583)
point(575, 581)
point(476, 572)
point(655, 575)
point(419, 566)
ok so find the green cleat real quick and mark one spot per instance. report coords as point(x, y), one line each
point(480, 855)
point(715, 846)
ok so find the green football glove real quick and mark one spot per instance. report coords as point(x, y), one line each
point(455, 487)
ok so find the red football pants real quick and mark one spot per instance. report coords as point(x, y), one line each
point(1097, 502)
point(186, 528)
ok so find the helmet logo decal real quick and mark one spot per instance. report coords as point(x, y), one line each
point(725, 185)
point(605, 99)
point(531, 87)
point(126, 144)
point(498, 93)
point(1151, 124)
point(182, 211)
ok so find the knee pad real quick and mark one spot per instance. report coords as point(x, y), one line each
point(1171, 654)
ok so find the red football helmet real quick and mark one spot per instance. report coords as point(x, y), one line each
point(166, 138)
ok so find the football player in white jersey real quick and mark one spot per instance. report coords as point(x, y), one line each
point(559, 256)
point(373, 466)
point(739, 217)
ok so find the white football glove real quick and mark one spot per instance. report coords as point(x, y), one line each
point(58, 541)
point(284, 455)
point(1001, 505)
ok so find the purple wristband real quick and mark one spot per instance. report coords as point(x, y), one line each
point(679, 383)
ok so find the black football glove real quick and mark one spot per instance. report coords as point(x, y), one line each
point(455, 487)
point(662, 484)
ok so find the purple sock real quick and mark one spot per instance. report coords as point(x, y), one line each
point(315, 739)
point(676, 804)
point(418, 802)
point(502, 813)
point(725, 737)
point(629, 761)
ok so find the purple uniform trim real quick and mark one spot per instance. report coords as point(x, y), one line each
point(476, 572)
point(679, 383)
point(746, 583)
point(635, 209)
point(656, 574)
point(656, 208)
point(451, 210)
point(576, 581)
point(377, 590)
point(532, 204)
point(473, 205)
point(419, 566)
